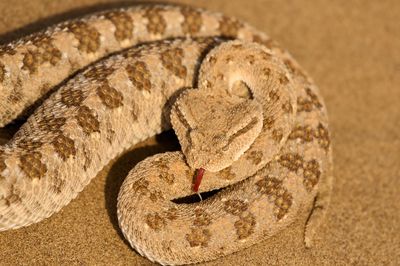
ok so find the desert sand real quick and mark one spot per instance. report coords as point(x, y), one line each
point(351, 49)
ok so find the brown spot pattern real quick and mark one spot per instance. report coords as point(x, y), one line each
point(283, 202)
point(155, 221)
point(156, 196)
point(165, 176)
point(58, 185)
point(7, 49)
point(255, 157)
point(87, 36)
point(229, 27)
point(87, 120)
point(267, 43)
point(277, 134)
point(273, 95)
point(311, 174)
point(141, 187)
point(274, 189)
point(99, 72)
point(227, 173)
point(72, 97)
point(307, 104)
point(212, 60)
point(290, 65)
point(245, 226)
point(3, 166)
point(268, 185)
point(291, 161)
point(123, 25)
point(32, 165)
point(171, 214)
point(322, 134)
point(266, 71)
point(268, 122)
point(12, 198)
point(2, 163)
point(304, 105)
point(294, 69)
point(198, 237)
point(202, 218)
point(235, 206)
point(64, 146)
point(2, 72)
point(172, 60)
point(249, 58)
point(44, 51)
point(16, 95)
point(314, 98)
point(287, 107)
point(109, 96)
point(51, 123)
point(192, 21)
point(28, 144)
point(161, 164)
point(139, 75)
point(156, 22)
point(305, 133)
point(44, 88)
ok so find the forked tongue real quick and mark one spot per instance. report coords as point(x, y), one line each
point(197, 181)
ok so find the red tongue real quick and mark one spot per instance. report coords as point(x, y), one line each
point(199, 177)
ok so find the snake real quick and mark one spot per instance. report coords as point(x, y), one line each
point(252, 125)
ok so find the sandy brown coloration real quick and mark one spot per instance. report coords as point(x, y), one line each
point(125, 98)
point(43, 52)
point(245, 226)
point(274, 189)
point(2, 72)
point(156, 23)
point(311, 174)
point(139, 75)
point(155, 221)
point(32, 165)
point(198, 237)
point(265, 200)
point(229, 27)
point(87, 36)
point(110, 96)
point(74, 97)
point(172, 60)
point(292, 161)
point(192, 21)
point(64, 146)
point(87, 120)
point(123, 25)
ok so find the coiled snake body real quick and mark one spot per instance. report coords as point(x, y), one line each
point(270, 151)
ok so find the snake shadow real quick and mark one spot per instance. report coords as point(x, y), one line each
point(165, 141)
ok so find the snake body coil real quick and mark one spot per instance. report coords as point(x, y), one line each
point(126, 98)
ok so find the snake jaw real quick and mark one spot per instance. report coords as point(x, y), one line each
point(197, 181)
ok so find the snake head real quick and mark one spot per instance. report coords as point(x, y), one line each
point(215, 128)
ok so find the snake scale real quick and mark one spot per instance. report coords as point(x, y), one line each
point(112, 104)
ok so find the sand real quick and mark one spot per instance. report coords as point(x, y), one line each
point(351, 49)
